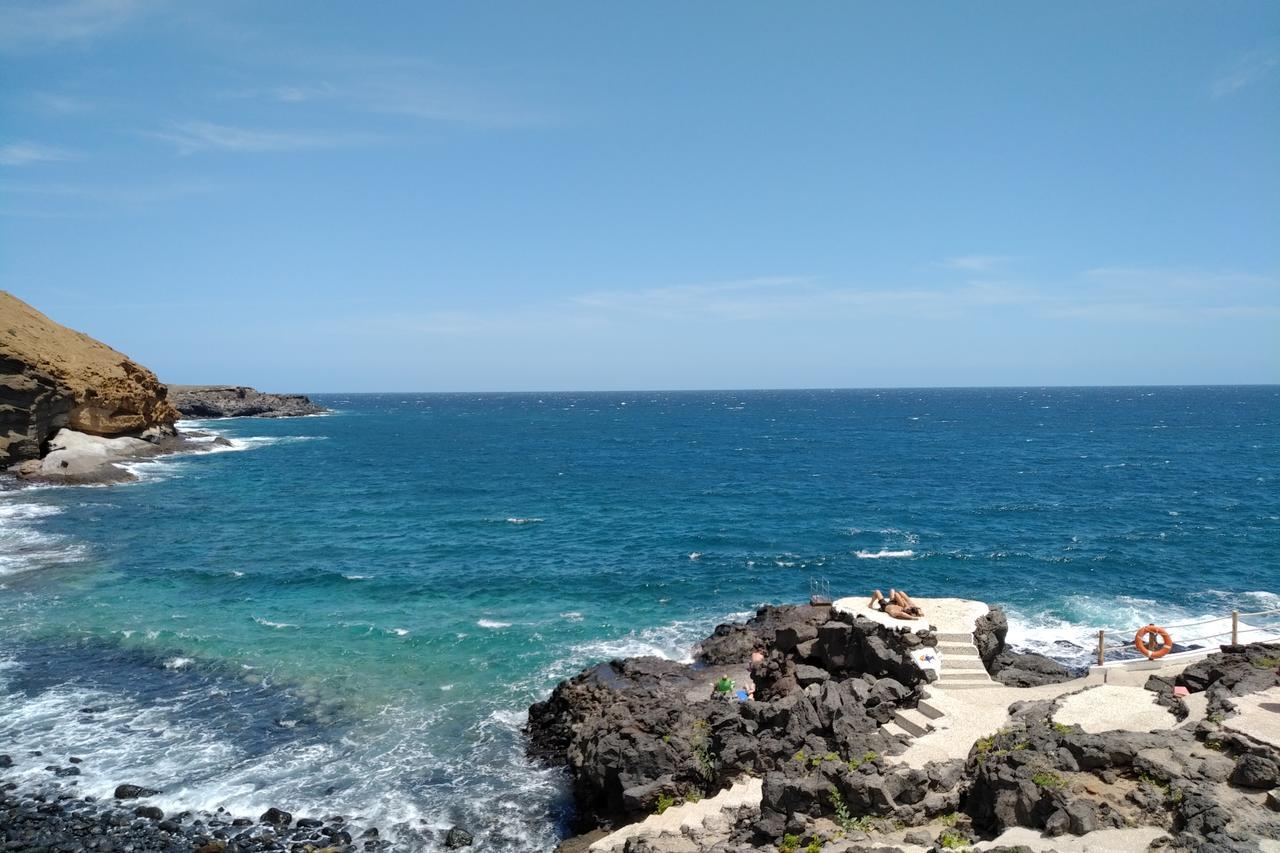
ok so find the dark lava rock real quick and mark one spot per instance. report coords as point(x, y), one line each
point(632, 732)
point(150, 812)
point(1026, 669)
point(5, 761)
point(235, 401)
point(458, 837)
point(276, 817)
point(989, 632)
point(308, 823)
point(1234, 671)
point(132, 792)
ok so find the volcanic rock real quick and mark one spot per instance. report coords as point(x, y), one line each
point(238, 401)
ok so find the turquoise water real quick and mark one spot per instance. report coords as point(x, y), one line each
point(351, 612)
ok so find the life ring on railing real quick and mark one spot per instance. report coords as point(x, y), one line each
point(1150, 634)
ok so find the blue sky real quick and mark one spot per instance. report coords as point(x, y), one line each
point(464, 196)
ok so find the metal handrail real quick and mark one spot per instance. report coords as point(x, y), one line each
point(1234, 632)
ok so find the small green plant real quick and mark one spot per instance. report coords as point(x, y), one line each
point(789, 843)
point(800, 756)
point(703, 753)
point(1153, 782)
point(665, 801)
point(952, 840)
point(1217, 717)
point(1062, 728)
point(1215, 745)
point(950, 819)
point(858, 761)
point(985, 744)
point(1267, 663)
point(1049, 779)
point(814, 846)
point(693, 797)
point(842, 808)
point(1021, 745)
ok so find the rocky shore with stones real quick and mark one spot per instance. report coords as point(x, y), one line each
point(239, 401)
point(54, 817)
point(641, 736)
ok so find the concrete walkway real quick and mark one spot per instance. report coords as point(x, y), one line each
point(1258, 718)
point(724, 805)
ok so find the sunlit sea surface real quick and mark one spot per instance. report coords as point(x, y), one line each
point(351, 613)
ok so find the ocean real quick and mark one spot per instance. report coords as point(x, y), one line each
point(350, 613)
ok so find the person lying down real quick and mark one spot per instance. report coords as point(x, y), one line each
point(898, 605)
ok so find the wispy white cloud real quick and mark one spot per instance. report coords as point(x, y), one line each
point(26, 153)
point(43, 23)
point(1247, 70)
point(54, 200)
point(396, 86)
point(190, 137)
point(59, 104)
point(976, 263)
point(1118, 295)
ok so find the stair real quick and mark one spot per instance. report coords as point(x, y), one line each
point(962, 667)
point(912, 721)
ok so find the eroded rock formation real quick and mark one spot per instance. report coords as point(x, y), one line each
point(238, 401)
point(52, 377)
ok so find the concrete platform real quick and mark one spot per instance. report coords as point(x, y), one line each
point(1135, 840)
point(1108, 707)
point(1258, 718)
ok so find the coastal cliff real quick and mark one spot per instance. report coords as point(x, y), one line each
point(53, 377)
point(239, 401)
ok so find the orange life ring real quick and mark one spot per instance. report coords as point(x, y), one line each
point(1151, 633)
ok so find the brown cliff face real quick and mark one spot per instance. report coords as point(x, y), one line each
point(53, 377)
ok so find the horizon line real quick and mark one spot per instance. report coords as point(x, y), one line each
point(1196, 385)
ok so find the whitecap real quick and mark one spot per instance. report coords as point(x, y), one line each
point(269, 624)
point(492, 623)
point(519, 520)
point(400, 632)
point(572, 616)
point(883, 554)
point(178, 663)
point(695, 555)
point(356, 577)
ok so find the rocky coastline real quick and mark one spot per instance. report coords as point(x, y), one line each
point(74, 411)
point(238, 401)
point(640, 736)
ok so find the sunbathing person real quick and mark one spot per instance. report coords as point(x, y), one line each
point(892, 605)
point(904, 601)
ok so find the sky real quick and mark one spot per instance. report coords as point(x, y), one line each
point(455, 196)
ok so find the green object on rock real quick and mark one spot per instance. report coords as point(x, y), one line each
point(724, 684)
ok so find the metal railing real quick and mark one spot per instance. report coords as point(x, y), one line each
point(1233, 633)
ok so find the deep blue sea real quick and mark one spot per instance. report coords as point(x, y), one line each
point(352, 613)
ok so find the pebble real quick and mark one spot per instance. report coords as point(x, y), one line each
point(52, 818)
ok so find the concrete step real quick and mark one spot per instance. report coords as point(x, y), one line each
point(961, 649)
point(962, 663)
point(892, 729)
point(944, 637)
point(949, 684)
point(924, 706)
point(913, 721)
